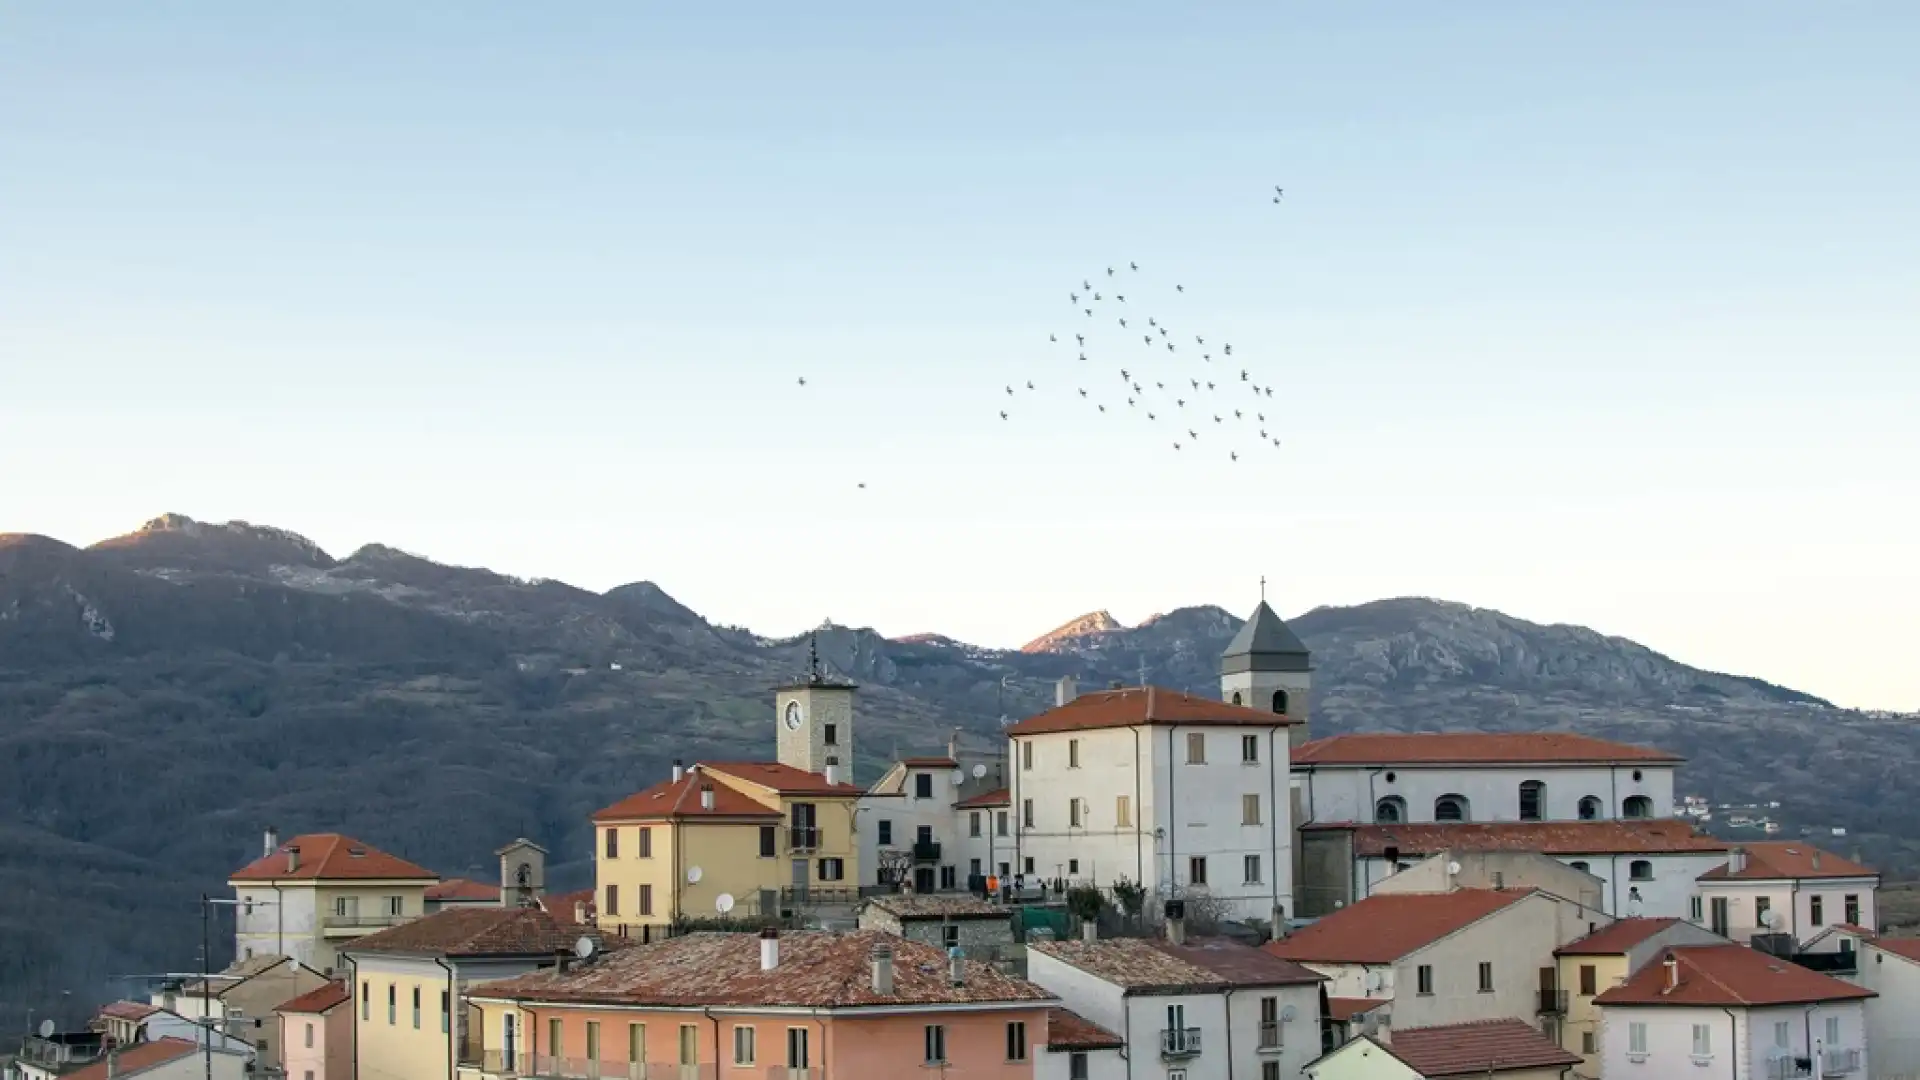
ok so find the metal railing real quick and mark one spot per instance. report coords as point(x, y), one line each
point(1552, 1002)
point(493, 1065)
point(75, 1050)
point(819, 894)
point(926, 851)
point(1789, 1068)
point(1179, 1042)
point(1839, 1062)
point(361, 922)
point(803, 838)
point(1270, 1036)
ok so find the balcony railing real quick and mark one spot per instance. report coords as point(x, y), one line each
point(1179, 1042)
point(1839, 1062)
point(1789, 1068)
point(361, 922)
point(926, 851)
point(495, 1066)
point(1552, 1003)
point(819, 894)
point(1270, 1036)
point(803, 838)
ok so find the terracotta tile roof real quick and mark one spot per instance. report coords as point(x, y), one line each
point(1068, 1031)
point(317, 1000)
point(140, 1056)
point(1473, 748)
point(1899, 946)
point(1655, 836)
point(910, 907)
point(475, 931)
point(1154, 966)
point(236, 973)
point(817, 969)
point(1726, 976)
point(1617, 939)
point(129, 1010)
point(997, 797)
point(330, 857)
point(561, 905)
point(1776, 859)
point(681, 799)
point(1136, 705)
point(1477, 1048)
point(460, 889)
point(1343, 1009)
point(1387, 926)
point(784, 779)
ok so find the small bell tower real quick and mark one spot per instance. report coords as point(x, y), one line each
point(813, 721)
point(523, 873)
point(1267, 667)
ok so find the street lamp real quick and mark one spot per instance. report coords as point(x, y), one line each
point(207, 904)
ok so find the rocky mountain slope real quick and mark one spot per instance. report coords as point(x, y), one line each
point(167, 694)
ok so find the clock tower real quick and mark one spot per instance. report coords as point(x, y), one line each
point(814, 722)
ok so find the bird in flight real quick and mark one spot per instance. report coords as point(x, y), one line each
point(1089, 312)
point(1009, 391)
point(1176, 446)
point(1163, 331)
point(863, 486)
point(1073, 298)
point(1192, 434)
point(1198, 340)
point(1261, 416)
point(1263, 433)
point(1109, 271)
point(1208, 357)
point(1179, 288)
point(1180, 401)
point(1120, 298)
point(1233, 455)
point(1150, 321)
point(1195, 382)
point(1050, 337)
point(1148, 338)
point(1236, 412)
point(1150, 416)
point(1003, 414)
point(1278, 190)
point(1123, 322)
point(1129, 403)
point(1159, 386)
point(1080, 338)
point(1083, 392)
point(1124, 375)
point(1216, 418)
point(1136, 266)
point(1228, 349)
point(1269, 391)
point(1243, 374)
point(1088, 285)
point(1103, 408)
point(1030, 386)
point(803, 380)
point(1136, 388)
point(1169, 346)
point(1083, 356)
point(1096, 296)
point(1209, 386)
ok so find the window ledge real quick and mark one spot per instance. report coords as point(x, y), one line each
point(1637, 1058)
point(1702, 1060)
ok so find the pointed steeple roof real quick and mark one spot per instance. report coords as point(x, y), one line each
point(1264, 643)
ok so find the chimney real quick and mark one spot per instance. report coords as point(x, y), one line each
point(1065, 690)
point(1673, 974)
point(1177, 922)
point(564, 958)
point(956, 967)
point(113, 1064)
point(953, 745)
point(883, 970)
point(833, 774)
point(293, 858)
point(580, 912)
point(1736, 859)
point(706, 796)
point(1090, 930)
point(270, 841)
point(1816, 858)
point(769, 949)
point(679, 770)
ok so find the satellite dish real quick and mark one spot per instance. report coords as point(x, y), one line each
point(723, 903)
point(46, 1028)
point(693, 875)
point(959, 777)
point(584, 947)
point(1453, 868)
point(979, 771)
point(1287, 1013)
point(1772, 919)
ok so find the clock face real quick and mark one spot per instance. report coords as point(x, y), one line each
point(793, 716)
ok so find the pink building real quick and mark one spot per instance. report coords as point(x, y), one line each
point(316, 1034)
point(808, 1005)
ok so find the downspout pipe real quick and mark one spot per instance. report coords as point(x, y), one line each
point(1173, 805)
point(707, 1011)
point(453, 1056)
point(1139, 819)
point(1274, 818)
point(1733, 1041)
point(1230, 1033)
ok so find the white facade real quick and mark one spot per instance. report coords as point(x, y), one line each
point(1490, 792)
point(1663, 887)
point(1215, 822)
point(283, 921)
point(894, 823)
point(1892, 1031)
point(1739, 1043)
point(1101, 1065)
point(1805, 907)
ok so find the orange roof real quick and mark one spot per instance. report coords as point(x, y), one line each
point(998, 797)
point(318, 1000)
point(681, 799)
point(1387, 926)
point(1617, 939)
point(1137, 705)
point(1726, 975)
point(475, 931)
point(1068, 1031)
point(561, 905)
point(1769, 860)
point(784, 779)
point(1344, 1009)
point(129, 1010)
point(459, 889)
point(1899, 946)
point(1634, 837)
point(139, 1056)
point(329, 857)
point(1477, 1049)
point(1473, 748)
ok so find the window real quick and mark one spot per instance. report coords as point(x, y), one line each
point(1851, 907)
point(1269, 1070)
point(613, 843)
point(445, 1013)
point(832, 870)
point(949, 935)
point(742, 1045)
point(1533, 797)
point(1590, 808)
point(593, 1041)
point(366, 1001)
point(886, 832)
point(1589, 980)
point(1196, 748)
point(1694, 909)
point(1026, 755)
point(1280, 702)
point(1815, 913)
point(1026, 813)
point(1000, 822)
point(1073, 813)
point(946, 877)
point(393, 1005)
point(613, 900)
point(1761, 906)
point(923, 834)
point(1637, 806)
point(796, 1048)
point(1486, 977)
point(1073, 753)
point(1123, 811)
point(646, 900)
point(637, 1043)
point(646, 842)
point(936, 1044)
point(1783, 1034)
point(1251, 869)
point(1249, 809)
point(416, 1008)
point(1637, 1037)
point(1236, 698)
point(1588, 1043)
point(1017, 1041)
point(1197, 870)
point(1423, 975)
point(309, 1034)
point(973, 823)
point(1027, 865)
point(1640, 870)
point(1702, 1041)
point(973, 867)
point(689, 1044)
point(1581, 865)
point(1450, 808)
point(1073, 866)
point(1076, 1066)
point(553, 1038)
point(1833, 1031)
point(768, 838)
point(923, 785)
point(831, 736)
point(1270, 1033)
point(1391, 810)
point(1250, 749)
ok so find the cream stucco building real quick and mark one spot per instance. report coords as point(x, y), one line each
point(309, 896)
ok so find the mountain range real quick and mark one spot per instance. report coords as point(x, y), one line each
point(168, 694)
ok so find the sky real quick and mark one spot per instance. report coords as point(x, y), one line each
point(1602, 314)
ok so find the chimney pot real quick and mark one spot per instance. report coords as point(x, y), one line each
point(1673, 973)
point(1816, 858)
point(956, 967)
point(679, 770)
point(1065, 690)
point(270, 841)
point(1176, 921)
point(883, 970)
point(580, 912)
point(706, 796)
point(1736, 859)
point(769, 949)
point(833, 774)
point(293, 858)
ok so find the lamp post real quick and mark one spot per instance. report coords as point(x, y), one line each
point(207, 904)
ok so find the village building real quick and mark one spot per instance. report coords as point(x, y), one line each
point(309, 896)
point(913, 833)
point(1079, 1049)
point(1479, 1050)
point(1890, 967)
point(165, 1058)
point(241, 1000)
point(316, 1034)
point(979, 929)
point(1601, 961)
point(459, 892)
point(1784, 887)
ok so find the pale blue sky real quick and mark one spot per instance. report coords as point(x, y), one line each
point(1595, 313)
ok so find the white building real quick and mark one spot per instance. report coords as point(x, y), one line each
point(1732, 1011)
point(1787, 888)
point(906, 825)
point(1890, 967)
point(1079, 1049)
point(1498, 1049)
point(1206, 1008)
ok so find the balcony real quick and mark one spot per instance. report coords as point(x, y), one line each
point(1551, 1003)
point(355, 923)
point(1789, 1068)
point(803, 838)
point(491, 1065)
point(1179, 1043)
point(1270, 1037)
point(1839, 1062)
point(926, 851)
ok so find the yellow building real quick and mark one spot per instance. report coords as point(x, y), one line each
point(1601, 961)
point(739, 838)
point(318, 891)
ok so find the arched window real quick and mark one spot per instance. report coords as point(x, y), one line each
point(1637, 806)
point(1450, 808)
point(1236, 698)
point(1533, 800)
point(1280, 702)
point(1590, 808)
point(1391, 810)
point(1640, 870)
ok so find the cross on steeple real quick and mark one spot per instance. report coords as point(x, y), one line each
point(1263, 588)
point(813, 658)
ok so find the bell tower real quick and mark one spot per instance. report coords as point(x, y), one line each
point(1267, 667)
point(813, 721)
point(523, 873)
